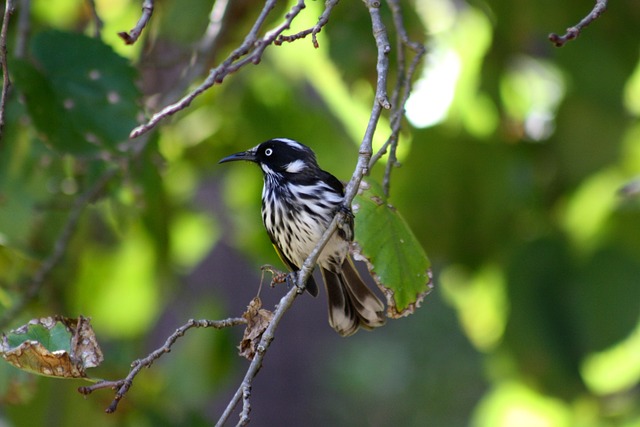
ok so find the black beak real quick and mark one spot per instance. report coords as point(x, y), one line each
point(249, 156)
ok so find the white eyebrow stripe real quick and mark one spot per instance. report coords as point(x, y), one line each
point(291, 143)
point(295, 166)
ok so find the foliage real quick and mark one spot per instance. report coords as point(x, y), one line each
point(512, 160)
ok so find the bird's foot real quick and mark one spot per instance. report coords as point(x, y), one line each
point(278, 276)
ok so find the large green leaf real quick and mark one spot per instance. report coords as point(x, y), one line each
point(80, 94)
point(393, 255)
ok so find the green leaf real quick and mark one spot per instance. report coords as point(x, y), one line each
point(53, 346)
point(393, 255)
point(80, 94)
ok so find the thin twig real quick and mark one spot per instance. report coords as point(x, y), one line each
point(322, 21)
point(574, 32)
point(132, 36)
point(123, 386)
point(380, 102)
point(402, 88)
point(203, 54)
point(216, 75)
point(6, 81)
point(249, 52)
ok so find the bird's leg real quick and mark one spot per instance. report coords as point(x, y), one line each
point(346, 210)
point(345, 227)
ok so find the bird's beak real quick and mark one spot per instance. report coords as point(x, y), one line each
point(249, 156)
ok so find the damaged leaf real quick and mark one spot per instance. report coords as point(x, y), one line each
point(258, 320)
point(53, 346)
point(391, 251)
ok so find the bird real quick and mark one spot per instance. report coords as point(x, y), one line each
point(299, 201)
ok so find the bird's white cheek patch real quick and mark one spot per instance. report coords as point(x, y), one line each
point(295, 166)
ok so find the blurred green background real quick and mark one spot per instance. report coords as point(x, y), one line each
point(514, 154)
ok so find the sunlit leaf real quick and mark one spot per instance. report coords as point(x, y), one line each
point(393, 255)
point(80, 94)
point(53, 346)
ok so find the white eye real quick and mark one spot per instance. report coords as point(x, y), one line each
point(268, 152)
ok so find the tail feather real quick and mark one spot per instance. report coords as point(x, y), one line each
point(311, 286)
point(351, 303)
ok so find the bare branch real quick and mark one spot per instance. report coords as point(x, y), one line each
point(322, 21)
point(402, 88)
point(249, 52)
point(123, 386)
point(132, 36)
point(6, 81)
point(574, 32)
point(381, 100)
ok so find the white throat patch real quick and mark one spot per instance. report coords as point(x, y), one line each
point(267, 169)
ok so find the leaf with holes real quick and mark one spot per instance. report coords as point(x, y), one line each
point(53, 346)
point(79, 93)
point(391, 251)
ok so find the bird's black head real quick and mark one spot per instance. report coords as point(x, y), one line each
point(279, 156)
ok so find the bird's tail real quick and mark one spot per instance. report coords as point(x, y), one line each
point(351, 303)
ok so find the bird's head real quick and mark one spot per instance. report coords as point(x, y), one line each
point(280, 156)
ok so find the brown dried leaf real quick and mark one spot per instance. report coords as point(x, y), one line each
point(53, 346)
point(258, 320)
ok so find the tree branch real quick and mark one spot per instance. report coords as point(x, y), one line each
point(380, 102)
point(132, 36)
point(401, 90)
point(6, 81)
point(249, 52)
point(123, 386)
point(574, 32)
point(322, 21)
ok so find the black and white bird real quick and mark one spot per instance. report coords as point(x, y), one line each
point(299, 200)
